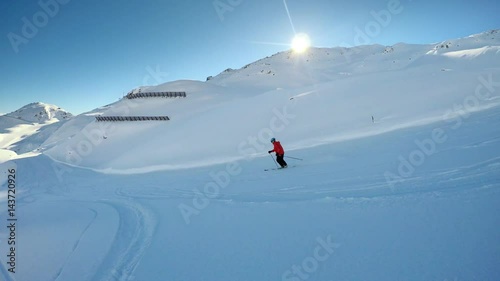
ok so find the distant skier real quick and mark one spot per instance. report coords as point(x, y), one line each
point(280, 152)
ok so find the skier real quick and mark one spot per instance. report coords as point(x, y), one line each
point(280, 152)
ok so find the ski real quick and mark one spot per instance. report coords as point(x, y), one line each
point(274, 169)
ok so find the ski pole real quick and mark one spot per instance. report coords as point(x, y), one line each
point(294, 158)
point(274, 161)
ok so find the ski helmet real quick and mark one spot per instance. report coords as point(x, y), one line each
point(273, 140)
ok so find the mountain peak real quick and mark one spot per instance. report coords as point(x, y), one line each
point(289, 69)
point(39, 112)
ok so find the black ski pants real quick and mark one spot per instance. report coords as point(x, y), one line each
point(280, 160)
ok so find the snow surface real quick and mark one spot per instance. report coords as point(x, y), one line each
point(412, 196)
point(27, 128)
point(40, 112)
point(329, 94)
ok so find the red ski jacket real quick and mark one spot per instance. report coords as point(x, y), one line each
point(278, 148)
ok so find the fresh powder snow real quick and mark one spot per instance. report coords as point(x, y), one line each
point(398, 177)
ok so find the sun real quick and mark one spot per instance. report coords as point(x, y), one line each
point(301, 42)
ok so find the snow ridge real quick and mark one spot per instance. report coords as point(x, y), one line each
point(25, 129)
point(40, 113)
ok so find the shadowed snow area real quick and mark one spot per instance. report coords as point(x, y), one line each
point(412, 194)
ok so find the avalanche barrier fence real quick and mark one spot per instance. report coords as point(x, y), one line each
point(156, 95)
point(130, 118)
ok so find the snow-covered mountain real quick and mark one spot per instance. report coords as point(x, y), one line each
point(319, 65)
point(327, 94)
point(393, 174)
point(27, 128)
point(39, 112)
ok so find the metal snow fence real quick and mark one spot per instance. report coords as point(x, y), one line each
point(130, 118)
point(157, 95)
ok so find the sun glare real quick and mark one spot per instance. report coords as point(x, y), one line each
point(301, 43)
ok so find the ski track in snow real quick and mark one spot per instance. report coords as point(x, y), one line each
point(135, 232)
point(367, 187)
point(137, 223)
point(77, 243)
point(346, 155)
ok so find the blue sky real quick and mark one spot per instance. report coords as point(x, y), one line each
point(81, 55)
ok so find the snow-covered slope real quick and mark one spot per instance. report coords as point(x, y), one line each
point(332, 217)
point(322, 96)
point(289, 70)
point(413, 195)
point(40, 113)
point(27, 128)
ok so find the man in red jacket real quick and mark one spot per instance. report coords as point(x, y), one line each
point(280, 152)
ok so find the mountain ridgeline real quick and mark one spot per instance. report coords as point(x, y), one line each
point(321, 96)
